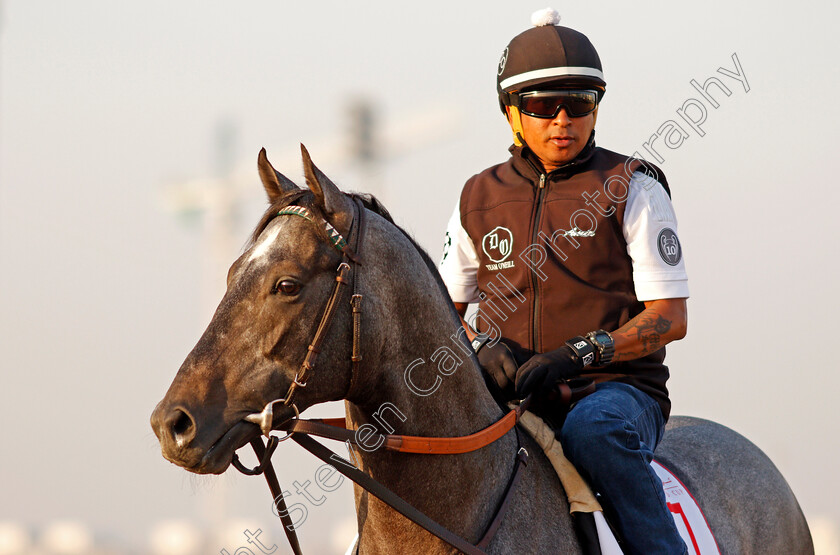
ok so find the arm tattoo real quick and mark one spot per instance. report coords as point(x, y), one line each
point(649, 331)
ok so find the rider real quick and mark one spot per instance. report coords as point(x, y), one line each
point(571, 253)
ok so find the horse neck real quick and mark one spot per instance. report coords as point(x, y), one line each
point(417, 363)
point(411, 327)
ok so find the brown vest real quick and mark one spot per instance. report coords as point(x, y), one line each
point(553, 258)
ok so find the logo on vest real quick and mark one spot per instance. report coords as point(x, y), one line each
point(575, 232)
point(497, 246)
point(669, 247)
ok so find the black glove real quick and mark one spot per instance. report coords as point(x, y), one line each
point(543, 371)
point(499, 363)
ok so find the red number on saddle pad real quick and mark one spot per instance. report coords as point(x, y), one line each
point(677, 509)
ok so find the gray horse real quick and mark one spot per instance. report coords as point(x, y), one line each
point(416, 377)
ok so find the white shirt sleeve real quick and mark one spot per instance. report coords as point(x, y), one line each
point(459, 264)
point(650, 229)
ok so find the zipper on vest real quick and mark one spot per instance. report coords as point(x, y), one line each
point(535, 284)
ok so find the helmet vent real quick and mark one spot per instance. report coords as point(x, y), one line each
point(544, 17)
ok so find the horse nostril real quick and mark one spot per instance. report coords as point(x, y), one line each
point(182, 426)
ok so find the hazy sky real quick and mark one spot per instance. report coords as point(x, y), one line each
point(103, 292)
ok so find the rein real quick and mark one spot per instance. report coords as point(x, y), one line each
point(300, 430)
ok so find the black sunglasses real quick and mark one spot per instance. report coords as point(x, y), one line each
point(547, 104)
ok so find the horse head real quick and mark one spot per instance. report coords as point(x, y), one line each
point(254, 346)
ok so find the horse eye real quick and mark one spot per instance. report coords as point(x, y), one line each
point(287, 287)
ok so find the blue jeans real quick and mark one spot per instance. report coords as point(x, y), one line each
point(610, 436)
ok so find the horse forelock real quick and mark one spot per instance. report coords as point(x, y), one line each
point(298, 198)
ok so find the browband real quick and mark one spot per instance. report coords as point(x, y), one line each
point(334, 236)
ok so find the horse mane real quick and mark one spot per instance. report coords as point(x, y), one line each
point(370, 202)
point(374, 205)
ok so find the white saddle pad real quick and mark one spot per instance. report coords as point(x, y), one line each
point(687, 515)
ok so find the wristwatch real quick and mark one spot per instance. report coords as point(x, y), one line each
point(604, 346)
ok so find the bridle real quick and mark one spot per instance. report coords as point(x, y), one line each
point(300, 430)
point(265, 419)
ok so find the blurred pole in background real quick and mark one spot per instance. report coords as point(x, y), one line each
point(222, 214)
point(364, 146)
point(362, 121)
point(220, 249)
point(215, 204)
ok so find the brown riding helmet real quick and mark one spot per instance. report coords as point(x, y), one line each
point(548, 53)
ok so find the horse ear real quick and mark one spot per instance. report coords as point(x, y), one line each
point(327, 195)
point(275, 183)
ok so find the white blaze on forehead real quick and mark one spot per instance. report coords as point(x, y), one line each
point(264, 245)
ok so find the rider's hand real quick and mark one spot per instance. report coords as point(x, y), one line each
point(498, 362)
point(545, 370)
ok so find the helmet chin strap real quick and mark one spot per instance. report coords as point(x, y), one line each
point(515, 120)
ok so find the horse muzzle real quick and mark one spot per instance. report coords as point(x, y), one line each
point(198, 450)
